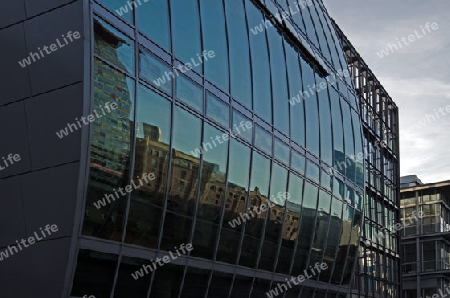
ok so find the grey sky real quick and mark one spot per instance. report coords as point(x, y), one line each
point(416, 76)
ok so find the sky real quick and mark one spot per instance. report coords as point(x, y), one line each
point(416, 76)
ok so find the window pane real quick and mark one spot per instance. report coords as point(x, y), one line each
point(312, 171)
point(338, 133)
point(276, 213)
point(151, 156)
point(212, 192)
point(241, 286)
point(282, 151)
point(239, 52)
point(358, 149)
point(167, 281)
point(297, 114)
point(190, 93)
point(298, 162)
point(321, 228)
point(311, 111)
point(113, 45)
point(152, 19)
point(326, 144)
point(109, 153)
point(279, 81)
point(236, 196)
point(214, 39)
point(349, 140)
point(217, 110)
point(94, 273)
point(259, 188)
point(261, 70)
point(220, 285)
point(306, 229)
point(290, 228)
point(263, 139)
point(184, 179)
point(242, 126)
point(129, 266)
point(156, 71)
point(186, 32)
point(195, 283)
point(120, 8)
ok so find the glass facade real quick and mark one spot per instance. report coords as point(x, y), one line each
point(228, 105)
point(378, 270)
point(425, 211)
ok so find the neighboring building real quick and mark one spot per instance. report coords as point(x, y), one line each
point(378, 273)
point(409, 181)
point(286, 80)
point(426, 241)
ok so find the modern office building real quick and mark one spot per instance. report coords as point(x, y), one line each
point(378, 270)
point(151, 125)
point(409, 181)
point(425, 240)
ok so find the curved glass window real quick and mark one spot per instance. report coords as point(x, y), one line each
point(109, 153)
point(217, 110)
point(238, 45)
point(349, 141)
point(152, 135)
point(212, 193)
point(152, 19)
point(262, 102)
point(279, 81)
point(338, 132)
point(120, 8)
point(359, 151)
point(291, 222)
point(306, 229)
point(259, 194)
point(235, 202)
point(184, 179)
point(311, 110)
point(214, 39)
point(297, 114)
point(186, 32)
point(310, 29)
point(113, 45)
point(189, 92)
point(276, 215)
point(326, 140)
point(156, 71)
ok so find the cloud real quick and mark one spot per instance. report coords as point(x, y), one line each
point(415, 76)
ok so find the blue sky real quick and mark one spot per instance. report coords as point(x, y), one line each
point(416, 76)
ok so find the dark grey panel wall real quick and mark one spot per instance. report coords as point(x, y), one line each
point(37, 101)
point(36, 271)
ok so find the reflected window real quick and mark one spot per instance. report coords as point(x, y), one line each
point(190, 93)
point(282, 151)
point(311, 110)
point(242, 126)
point(263, 139)
point(156, 71)
point(217, 110)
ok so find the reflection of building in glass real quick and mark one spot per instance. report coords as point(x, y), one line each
point(377, 273)
point(193, 198)
point(426, 241)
